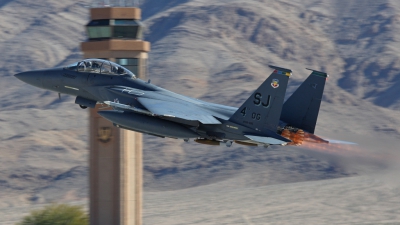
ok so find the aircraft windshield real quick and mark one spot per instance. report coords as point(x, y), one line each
point(73, 66)
point(99, 66)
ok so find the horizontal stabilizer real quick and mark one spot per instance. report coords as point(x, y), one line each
point(267, 140)
point(207, 119)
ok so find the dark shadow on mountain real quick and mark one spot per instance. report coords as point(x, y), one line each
point(4, 2)
point(347, 82)
point(163, 26)
point(152, 7)
point(391, 96)
point(373, 74)
point(58, 101)
point(74, 57)
point(78, 171)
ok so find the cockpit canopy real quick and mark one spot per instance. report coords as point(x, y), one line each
point(100, 66)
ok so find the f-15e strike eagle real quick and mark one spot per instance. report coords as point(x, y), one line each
point(264, 118)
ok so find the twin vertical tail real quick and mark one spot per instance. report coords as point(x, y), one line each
point(301, 109)
point(262, 109)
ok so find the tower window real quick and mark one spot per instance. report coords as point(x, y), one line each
point(131, 64)
point(121, 29)
point(99, 32)
point(125, 32)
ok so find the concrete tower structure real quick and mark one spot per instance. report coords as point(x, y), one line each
point(116, 169)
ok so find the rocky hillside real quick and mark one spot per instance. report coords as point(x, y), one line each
point(217, 51)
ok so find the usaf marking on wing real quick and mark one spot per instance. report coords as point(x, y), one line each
point(263, 119)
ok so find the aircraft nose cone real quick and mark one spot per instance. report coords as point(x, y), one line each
point(32, 78)
point(22, 76)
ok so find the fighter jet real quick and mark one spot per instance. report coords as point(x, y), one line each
point(143, 107)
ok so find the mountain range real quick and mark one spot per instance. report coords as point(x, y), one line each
point(214, 51)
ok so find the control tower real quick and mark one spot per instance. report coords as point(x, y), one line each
point(116, 167)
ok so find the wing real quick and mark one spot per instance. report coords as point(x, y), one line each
point(184, 110)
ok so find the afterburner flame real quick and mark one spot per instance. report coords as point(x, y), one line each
point(299, 137)
point(349, 150)
point(296, 137)
point(332, 148)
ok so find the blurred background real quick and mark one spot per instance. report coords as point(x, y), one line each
point(216, 51)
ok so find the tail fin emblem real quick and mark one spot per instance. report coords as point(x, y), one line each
point(275, 83)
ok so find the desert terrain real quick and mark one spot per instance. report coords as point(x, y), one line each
point(217, 51)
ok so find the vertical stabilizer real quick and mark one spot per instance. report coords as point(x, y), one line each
point(302, 107)
point(263, 108)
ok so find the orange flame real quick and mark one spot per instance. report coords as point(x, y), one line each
point(296, 137)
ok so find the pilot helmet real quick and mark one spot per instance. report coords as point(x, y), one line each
point(121, 70)
point(88, 64)
point(114, 69)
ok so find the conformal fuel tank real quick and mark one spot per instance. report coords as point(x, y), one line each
point(149, 124)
